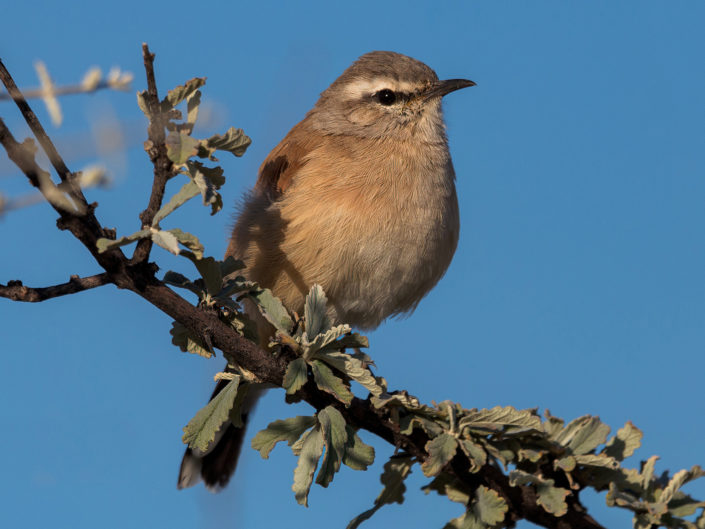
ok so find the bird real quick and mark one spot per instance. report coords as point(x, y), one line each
point(359, 198)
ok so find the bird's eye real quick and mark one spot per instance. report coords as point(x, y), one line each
point(386, 97)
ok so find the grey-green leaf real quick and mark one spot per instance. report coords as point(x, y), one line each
point(209, 269)
point(233, 141)
point(184, 340)
point(583, 434)
point(353, 367)
point(489, 506)
point(296, 376)
point(208, 180)
point(187, 192)
point(623, 444)
point(329, 382)
point(190, 241)
point(507, 419)
point(200, 432)
point(181, 92)
point(335, 436)
point(441, 450)
point(107, 244)
point(181, 281)
point(166, 240)
point(358, 455)
point(474, 452)
point(273, 310)
point(311, 450)
point(288, 430)
point(315, 312)
point(180, 147)
point(551, 498)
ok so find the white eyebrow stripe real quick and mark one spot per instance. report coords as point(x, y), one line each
point(361, 87)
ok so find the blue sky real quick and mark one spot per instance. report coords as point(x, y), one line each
point(577, 285)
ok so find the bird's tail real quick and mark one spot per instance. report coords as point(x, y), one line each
point(216, 467)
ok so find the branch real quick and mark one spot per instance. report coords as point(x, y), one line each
point(38, 131)
point(139, 277)
point(16, 291)
point(121, 82)
point(156, 148)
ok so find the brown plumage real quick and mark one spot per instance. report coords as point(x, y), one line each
point(360, 198)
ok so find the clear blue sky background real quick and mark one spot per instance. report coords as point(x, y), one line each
point(577, 285)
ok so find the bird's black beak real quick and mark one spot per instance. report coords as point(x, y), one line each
point(441, 88)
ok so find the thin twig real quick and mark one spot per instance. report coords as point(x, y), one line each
point(36, 93)
point(156, 148)
point(19, 155)
point(16, 291)
point(37, 128)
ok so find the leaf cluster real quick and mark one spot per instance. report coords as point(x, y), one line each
point(182, 149)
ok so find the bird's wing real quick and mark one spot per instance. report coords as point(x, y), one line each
point(276, 174)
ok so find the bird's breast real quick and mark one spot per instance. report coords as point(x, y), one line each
point(377, 232)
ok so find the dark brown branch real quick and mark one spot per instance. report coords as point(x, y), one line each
point(156, 148)
point(16, 291)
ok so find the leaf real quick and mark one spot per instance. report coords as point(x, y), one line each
point(166, 240)
point(181, 92)
point(311, 450)
point(597, 460)
point(647, 472)
point(180, 147)
point(395, 472)
point(335, 436)
point(328, 382)
point(289, 430)
point(234, 141)
point(583, 434)
point(187, 192)
point(192, 104)
point(178, 280)
point(407, 423)
point(683, 505)
point(469, 520)
point(209, 269)
point(108, 244)
point(678, 480)
point(354, 368)
point(235, 414)
point(475, 453)
point(296, 376)
point(230, 265)
point(142, 103)
point(441, 450)
point(314, 344)
point(623, 444)
point(184, 340)
point(315, 312)
point(552, 425)
point(208, 180)
point(200, 432)
point(507, 419)
point(358, 455)
point(489, 506)
point(448, 485)
point(273, 310)
point(551, 498)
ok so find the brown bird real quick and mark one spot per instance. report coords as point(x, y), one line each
point(360, 198)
